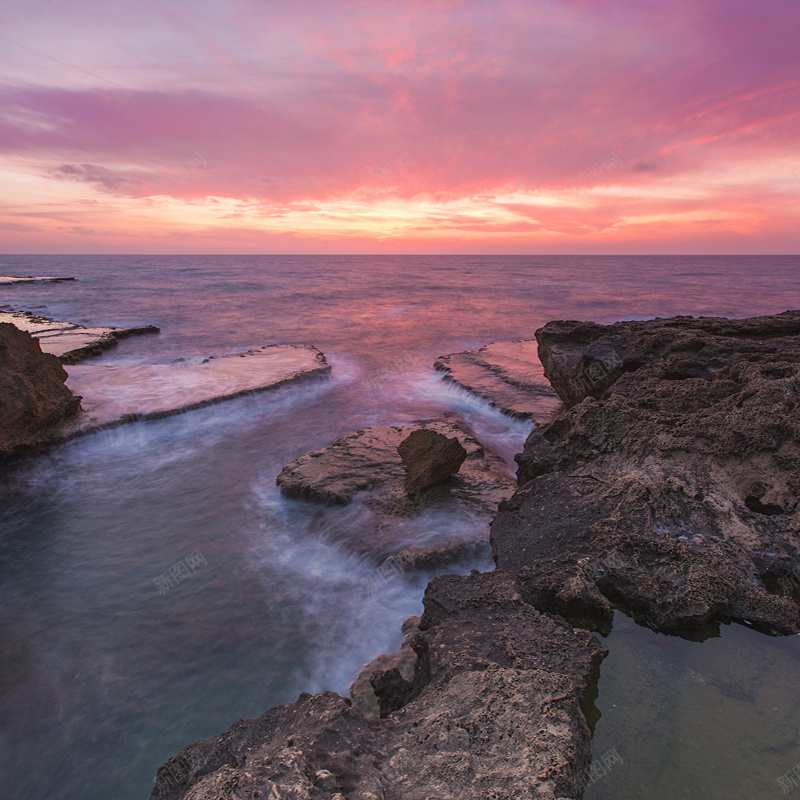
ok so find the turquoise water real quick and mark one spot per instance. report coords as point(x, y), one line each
point(101, 677)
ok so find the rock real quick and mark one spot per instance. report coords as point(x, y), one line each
point(366, 465)
point(34, 399)
point(7, 280)
point(670, 487)
point(582, 359)
point(403, 662)
point(113, 395)
point(429, 458)
point(506, 374)
point(415, 558)
point(493, 711)
point(70, 342)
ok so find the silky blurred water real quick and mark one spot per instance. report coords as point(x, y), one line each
point(101, 677)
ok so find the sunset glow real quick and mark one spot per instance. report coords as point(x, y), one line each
point(347, 127)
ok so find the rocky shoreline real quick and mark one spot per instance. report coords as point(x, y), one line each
point(68, 341)
point(41, 403)
point(667, 488)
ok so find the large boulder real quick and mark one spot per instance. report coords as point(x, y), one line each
point(670, 487)
point(34, 399)
point(429, 457)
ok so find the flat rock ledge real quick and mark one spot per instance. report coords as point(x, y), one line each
point(508, 375)
point(366, 466)
point(113, 395)
point(70, 342)
point(670, 487)
point(8, 280)
point(493, 711)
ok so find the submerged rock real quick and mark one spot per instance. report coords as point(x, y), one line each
point(671, 485)
point(429, 458)
point(66, 340)
point(34, 398)
point(113, 395)
point(366, 465)
point(493, 711)
point(506, 374)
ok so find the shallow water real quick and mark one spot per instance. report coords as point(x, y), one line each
point(685, 720)
point(101, 676)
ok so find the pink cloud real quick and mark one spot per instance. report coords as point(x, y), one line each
point(301, 103)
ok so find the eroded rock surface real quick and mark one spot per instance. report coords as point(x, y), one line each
point(34, 398)
point(66, 340)
point(506, 374)
point(116, 394)
point(672, 486)
point(493, 711)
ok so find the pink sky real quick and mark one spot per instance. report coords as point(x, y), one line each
point(577, 126)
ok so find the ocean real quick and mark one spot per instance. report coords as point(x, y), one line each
point(103, 675)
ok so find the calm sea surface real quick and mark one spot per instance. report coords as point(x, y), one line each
point(102, 678)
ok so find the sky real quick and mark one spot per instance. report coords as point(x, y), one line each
point(484, 126)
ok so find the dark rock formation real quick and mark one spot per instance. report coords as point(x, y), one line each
point(582, 359)
point(506, 374)
point(671, 486)
point(429, 458)
point(493, 711)
point(34, 398)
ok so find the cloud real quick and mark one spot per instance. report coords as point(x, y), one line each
point(294, 107)
point(101, 177)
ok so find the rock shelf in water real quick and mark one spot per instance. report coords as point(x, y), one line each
point(506, 374)
point(669, 487)
point(7, 280)
point(113, 395)
point(68, 341)
point(366, 465)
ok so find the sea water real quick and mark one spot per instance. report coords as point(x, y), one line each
point(106, 670)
